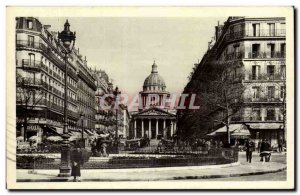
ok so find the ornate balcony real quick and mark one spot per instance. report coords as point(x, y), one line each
point(26, 81)
point(31, 64)
point(73, 114)
point(276, 76)
point(56, 107)
point(27, 44)
point(262, 100)
point(265, 55)
point(230, 36)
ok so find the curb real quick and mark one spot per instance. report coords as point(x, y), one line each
point(230, 175)
point(158, 179)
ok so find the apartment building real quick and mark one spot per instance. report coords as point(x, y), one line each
point(40, 83)
point(251, 52)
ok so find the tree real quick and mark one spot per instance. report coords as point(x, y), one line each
point(220, 91)
point(28, 95)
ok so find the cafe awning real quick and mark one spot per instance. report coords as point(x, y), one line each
point(236, 131)
point(265, 126)
point(77, 135)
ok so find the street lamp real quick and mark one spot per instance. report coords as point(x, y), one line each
point(116, 92)
point(67, 38)
point(82, 138)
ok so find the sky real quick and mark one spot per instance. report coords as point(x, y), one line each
point(126, 47)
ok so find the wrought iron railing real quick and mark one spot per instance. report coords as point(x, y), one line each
point(26, 63)
point(262, 55)
point(262, 99)
point(251, 33)
point(128, 159)
point(275, 76)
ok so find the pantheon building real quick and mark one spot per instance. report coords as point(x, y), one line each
point(154, 119)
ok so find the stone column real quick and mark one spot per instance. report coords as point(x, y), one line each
point(134, 128)
point(175, 127)
point(164, 128)
point(143, 128)
point(156, 128)
point(150, 134)
point(171, 132)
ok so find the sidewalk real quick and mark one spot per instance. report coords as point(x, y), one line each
point(241, 168)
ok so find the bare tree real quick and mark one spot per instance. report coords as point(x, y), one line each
point(28, 95)
point(220, 92)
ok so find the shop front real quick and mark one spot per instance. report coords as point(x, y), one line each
point(239, 133)
point(272, 132)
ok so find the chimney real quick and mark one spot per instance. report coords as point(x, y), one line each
point(218, 31)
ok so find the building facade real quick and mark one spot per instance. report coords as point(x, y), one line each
point(250, 52)
point(106, 116)
point(154, 119)
point(40, 83)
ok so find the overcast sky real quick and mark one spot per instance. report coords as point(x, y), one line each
point(126, 47)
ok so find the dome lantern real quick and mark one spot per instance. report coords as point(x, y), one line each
point(154, 68)
point(154, 82)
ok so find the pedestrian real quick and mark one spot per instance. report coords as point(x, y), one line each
point(280, 145)
point(103, 149)
point(265, 154)
point(77, 160)
point(250, 147)
point(160, 145)
point(220, 144)
point(94, 147)
point(258, 146)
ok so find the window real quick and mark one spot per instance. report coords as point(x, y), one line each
point(31, 59)
point(270, 114)
point(281, 114)
point(236, 51)
point(282, 71)
point(271, 92)
point(255, 114)
point(282, 50)
point(31, 41)
point(282, 29)
point(282, 92)
point(271, 50)
point(255, 72)
point(271, 72)
point(29, 24)
point(256, 30)
point(271, 29)
point(256, 92)
point(255, 50)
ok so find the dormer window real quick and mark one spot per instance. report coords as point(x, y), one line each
point(29, 24)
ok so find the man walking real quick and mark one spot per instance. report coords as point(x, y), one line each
point(250, 147)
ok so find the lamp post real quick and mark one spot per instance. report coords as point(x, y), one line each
point(116, 92)
point(67, 38)
point(82, 138)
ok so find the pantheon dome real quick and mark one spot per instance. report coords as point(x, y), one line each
point(154, 82)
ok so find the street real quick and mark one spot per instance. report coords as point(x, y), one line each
point(278, 176)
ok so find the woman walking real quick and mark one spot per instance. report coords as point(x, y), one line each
point(77, 160)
